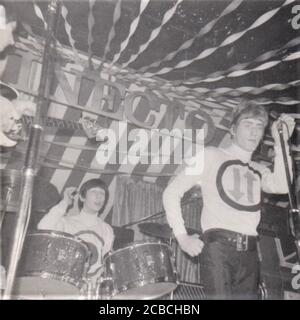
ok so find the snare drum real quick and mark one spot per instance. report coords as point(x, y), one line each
point(53, 265)
point(143, 270)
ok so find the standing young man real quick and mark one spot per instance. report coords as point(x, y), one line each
point(231, 186)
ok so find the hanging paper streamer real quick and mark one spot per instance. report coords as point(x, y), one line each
point(64, 13)
point(91, 23)
point(154, 34)
point(186, 45)
point(218, 75)
point(132, 30)
point(267, 65)
point(264, 101)
point(198, 94)
point(167, 89)
point(112, 32)
point(39, 14)
point(264, 66)
point(229, 40)
point(283, 100)
point(250, 90)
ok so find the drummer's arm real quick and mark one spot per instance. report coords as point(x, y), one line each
point(53, 219)
point(109, 240)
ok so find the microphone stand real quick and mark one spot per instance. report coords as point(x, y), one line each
point(294, 214)
point(32, 157)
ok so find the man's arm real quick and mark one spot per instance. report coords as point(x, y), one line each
point(108, 240)
point(172, 195)
point(53, 218)
point(275, 182)
point(171, 200)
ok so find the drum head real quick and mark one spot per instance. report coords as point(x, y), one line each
point(37, 288)
point(147, 292)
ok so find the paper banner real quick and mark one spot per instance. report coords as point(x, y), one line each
point(112, 32)
point(203, 31)
point(132, 29)
point(229, 40)
point(219, 75)
point(91, 23)
point(154, 34)
point(68, 28)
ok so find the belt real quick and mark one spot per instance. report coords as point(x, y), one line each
point(241, 242)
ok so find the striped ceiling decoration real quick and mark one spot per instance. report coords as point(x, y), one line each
point(204, 55)
point(180, 42)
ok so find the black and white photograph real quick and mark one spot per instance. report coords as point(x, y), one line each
point(149, 150)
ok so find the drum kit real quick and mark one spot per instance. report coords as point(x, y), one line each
point(54, 265)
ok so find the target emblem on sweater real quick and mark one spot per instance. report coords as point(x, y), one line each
point(239, 185)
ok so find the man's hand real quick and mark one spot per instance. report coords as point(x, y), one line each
point(288, 125)
point(69, 195)
point(192, 245)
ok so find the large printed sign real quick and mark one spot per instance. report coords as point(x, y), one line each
point(115, 100)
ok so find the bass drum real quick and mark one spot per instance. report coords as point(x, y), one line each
point(143, 270)
point(53, 265)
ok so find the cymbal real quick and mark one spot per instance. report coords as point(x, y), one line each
point(44, 195)
point(161, 230)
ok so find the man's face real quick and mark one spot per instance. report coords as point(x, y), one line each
point(9, 125)
point(248, 133)
point(93, 200)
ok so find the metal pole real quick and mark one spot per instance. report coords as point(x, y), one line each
point(32, 158)
point(294, 211)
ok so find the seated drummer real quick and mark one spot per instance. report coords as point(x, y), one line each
point(87, 225)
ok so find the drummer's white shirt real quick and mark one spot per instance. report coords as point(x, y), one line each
point(90, 228)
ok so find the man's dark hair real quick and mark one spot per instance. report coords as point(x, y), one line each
point(93, 183)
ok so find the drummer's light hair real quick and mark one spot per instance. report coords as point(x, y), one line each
point(93, 183)
point(249, 110)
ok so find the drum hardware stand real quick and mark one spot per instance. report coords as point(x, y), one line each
point(32, 156)
point(2, 215)
point(157, 214)
point(174, 245)
point(6, 202)
point(294, 214)
point(99, 295)
point(262, 285)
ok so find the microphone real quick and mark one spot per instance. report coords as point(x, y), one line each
point(275, 116)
